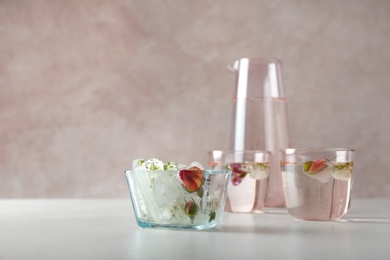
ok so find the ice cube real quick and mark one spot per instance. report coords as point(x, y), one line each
point(344, 174)
point(217, 181)
point(197, 164)
point(322, 176)
point(258, 173)
point(166, 189)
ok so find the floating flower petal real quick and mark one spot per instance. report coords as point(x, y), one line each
point(315, 166)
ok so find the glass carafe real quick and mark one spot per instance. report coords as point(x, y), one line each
point(260, 116)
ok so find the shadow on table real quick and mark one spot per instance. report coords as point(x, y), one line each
point(249, 229)
point(371, 220)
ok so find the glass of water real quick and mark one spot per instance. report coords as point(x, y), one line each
point(317, 182)
point(249, 182)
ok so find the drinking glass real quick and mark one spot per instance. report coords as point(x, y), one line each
point(249, 181)
point(317, 182)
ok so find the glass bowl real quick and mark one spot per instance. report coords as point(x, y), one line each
point(184, 199)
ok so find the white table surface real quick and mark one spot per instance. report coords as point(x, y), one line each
point(106, 229)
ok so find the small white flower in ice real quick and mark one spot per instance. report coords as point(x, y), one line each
point(342, 171)
point(170, 166)
point(259, 171)
point(139, 164)
point(154, 164)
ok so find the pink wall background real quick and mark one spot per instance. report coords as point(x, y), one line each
point(88, 86)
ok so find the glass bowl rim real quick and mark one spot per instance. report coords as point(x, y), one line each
point(315, 149)
point(206, 172)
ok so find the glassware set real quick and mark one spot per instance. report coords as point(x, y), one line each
point(258, 171)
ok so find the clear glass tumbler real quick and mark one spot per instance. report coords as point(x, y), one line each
point(317, 183)
point(249, 181)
